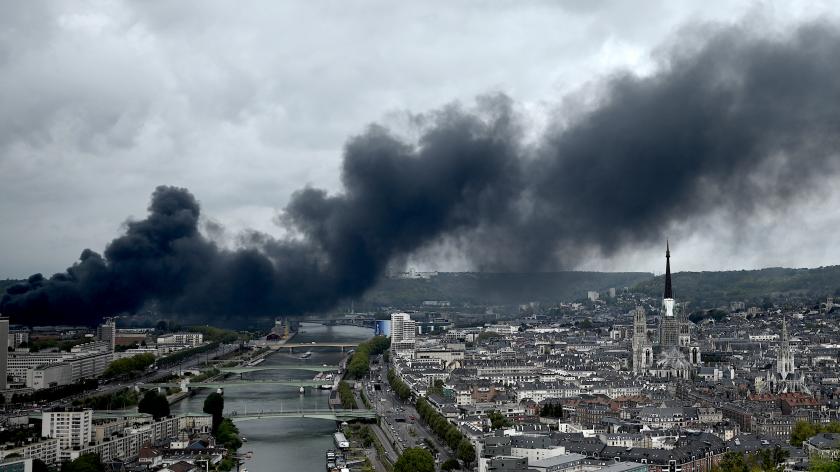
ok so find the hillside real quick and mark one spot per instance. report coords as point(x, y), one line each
point(498, 288)
point(754, 287)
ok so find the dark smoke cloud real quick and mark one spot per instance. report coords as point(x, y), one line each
point(398, 197)
point(738, 124)
point(734, 124)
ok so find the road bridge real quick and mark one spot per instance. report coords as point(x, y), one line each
point(292, 346)
point(323, 414)
point(240, 383)
point(258, 368)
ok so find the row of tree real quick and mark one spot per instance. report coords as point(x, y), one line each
point(400, 388)
point(129, 366)
point(118, 400)
point(345, 394)
point(359, 365)
point(446, 431)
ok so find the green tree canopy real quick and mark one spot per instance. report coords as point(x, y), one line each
point(415, 459)
point(450, 464)
point(84, 463)
point(129, 365)
point(154, 404)
point(498, 420)
point(214, 405)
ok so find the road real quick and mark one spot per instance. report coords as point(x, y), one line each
point(149, 377)
point(410, 433)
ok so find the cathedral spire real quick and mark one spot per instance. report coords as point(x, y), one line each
point(668, 292)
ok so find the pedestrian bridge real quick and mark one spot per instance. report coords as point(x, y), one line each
point(258, 368)
point(323, 414)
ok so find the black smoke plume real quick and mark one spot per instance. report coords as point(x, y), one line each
point(729, 125)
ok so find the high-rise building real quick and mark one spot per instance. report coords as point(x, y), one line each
point(403, 328)
point(72, 427)
point(107, 332)
point(4, 352)
point(403, 332)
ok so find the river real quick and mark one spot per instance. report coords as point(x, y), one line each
point(287, 444)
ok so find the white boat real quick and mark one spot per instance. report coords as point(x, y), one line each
point(306, 355)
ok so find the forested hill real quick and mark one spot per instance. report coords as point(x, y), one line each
point(754, 287)
point(702, 289)
point(498, 288)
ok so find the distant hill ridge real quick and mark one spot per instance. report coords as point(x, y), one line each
point(702, 289)
point(760, 286)
point(499, 288)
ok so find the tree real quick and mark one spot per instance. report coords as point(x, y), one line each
point(40, 466)
point(733, 462)
point(415, 459)
point(214, 405)
point(466, 451)
point(803, 430)
point(450, 464)
point(84, 463)
point(154, 404)
point(497, 420)
point(819, 464)
point(228, 434)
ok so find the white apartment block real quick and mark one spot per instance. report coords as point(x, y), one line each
point(83, 364)
point(72, 427)
point(183, 339)
point(49, 375)
point(128, 444)
point(45, 450)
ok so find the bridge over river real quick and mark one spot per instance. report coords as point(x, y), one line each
point(236, 416)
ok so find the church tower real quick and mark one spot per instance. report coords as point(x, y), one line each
point(669, 325)
point(784, 358)
point(642, 350)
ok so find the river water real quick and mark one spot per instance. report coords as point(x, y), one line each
point(287, 444)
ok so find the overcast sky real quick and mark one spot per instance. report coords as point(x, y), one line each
point(245, 103)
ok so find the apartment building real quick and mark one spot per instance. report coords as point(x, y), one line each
point(72, 427)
